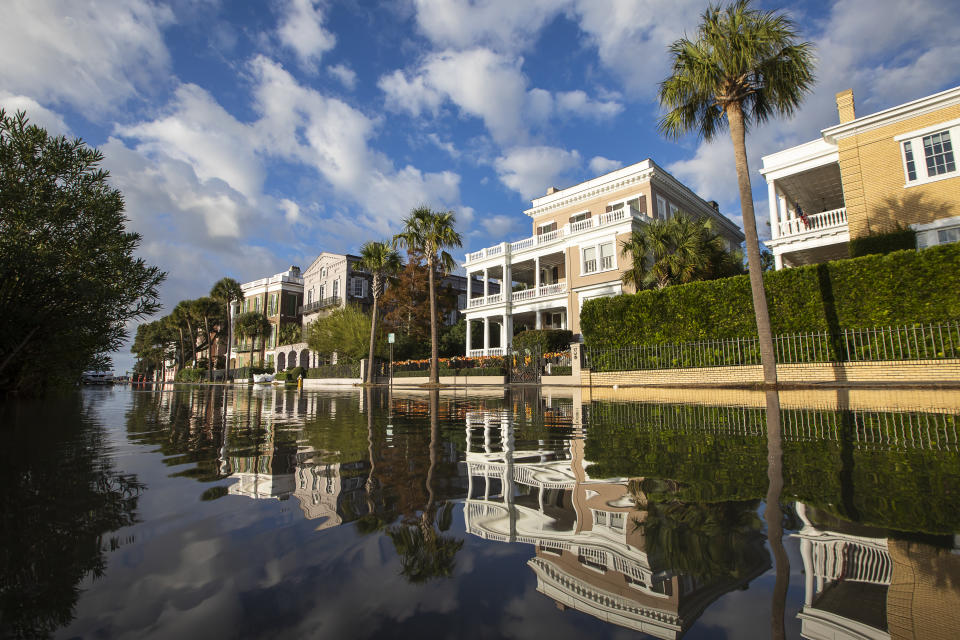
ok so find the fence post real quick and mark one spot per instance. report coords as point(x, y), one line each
point(575, 361)
point(363, 370)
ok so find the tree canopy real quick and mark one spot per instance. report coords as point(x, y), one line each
point(69, 279)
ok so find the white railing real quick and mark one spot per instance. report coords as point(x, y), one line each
point(475, 353)
point(589, 266)
point(552, 289)
point(815, 222)
point(495, 250)
point(494, 351)
point(550, 236)
point(526, 294)
point(526, 243)
point(476, 302)
point(615, 216)
point(851, 560)
point(495, 298)
point(582, 225)
point(476, 255)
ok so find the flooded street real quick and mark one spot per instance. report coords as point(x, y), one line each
point(259, 513)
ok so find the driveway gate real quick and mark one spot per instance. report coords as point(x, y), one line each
point(524, 367)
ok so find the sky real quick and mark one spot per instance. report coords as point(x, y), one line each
point(247, 136)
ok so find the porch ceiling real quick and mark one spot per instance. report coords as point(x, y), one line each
point(816, 190)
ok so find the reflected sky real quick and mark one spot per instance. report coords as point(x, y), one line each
point(213, 512)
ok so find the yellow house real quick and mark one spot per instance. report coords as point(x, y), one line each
point(867, 175)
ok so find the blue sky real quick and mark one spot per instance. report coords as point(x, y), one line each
point(248, 136)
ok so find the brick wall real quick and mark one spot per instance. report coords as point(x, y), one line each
point(902, 371)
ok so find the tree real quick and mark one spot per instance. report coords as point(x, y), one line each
point(344, 332)
point(382, 262)
point(677, 251)
point(151, 344)
point(743, 67)
point(252, 325)
point(184, 315)
point(289, 333)
point(406, 309)
point(226, 291)
point(430, 232)
point(208, 310)
point(69, 281)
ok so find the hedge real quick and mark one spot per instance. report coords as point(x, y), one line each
point(561, 370)
point(476, 371)
point(903, 287)
point(191, 375)
point(334, 371)
point(883, 243)
point(542, 340)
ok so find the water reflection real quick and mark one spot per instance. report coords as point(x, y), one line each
point(666, 518)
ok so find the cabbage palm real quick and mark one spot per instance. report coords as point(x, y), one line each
point(226, 291)
point(253, 325)
point(429, 233)
point(382, 261)
point(743, 66)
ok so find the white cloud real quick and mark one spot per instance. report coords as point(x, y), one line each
point(503, 25)
point(411, 95)
point(200, 131)
point(530, 170)
point(499, 225)
point(92, 56)
point(446, 146)
point(346, 75)
point(600, 165)
point(301, 28)
point(37, 114)
point(579, 104)
point(291, 210)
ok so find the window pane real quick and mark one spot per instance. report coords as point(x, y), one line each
point(911, 164)
point(606, 249)
point(949, 235)
point(938, 152)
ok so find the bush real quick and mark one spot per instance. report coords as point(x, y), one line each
point(476, 371)
point(282, 375)
point(561, 370)
point(883, 243)
point(334, 371)
point(188, 374)
point(543, 340)
point(903, 287)
point(295, 373)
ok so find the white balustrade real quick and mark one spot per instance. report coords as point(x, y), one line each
point(476, 302)
point(496, 298)
point(476, 255)
point(552, 289)
point(475, 353)
point(525, 294)
point(583, 225)
point(815, 222)
point(495, 351)
point(526, 243)
point(613, 216)
point(550, 236)
point(495, 250)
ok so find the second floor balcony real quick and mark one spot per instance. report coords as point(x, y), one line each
point(524, 295)
point(319, 305)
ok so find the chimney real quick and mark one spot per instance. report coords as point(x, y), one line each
point(552, 190)
point(845, 106)
point(295, 270)
point(714, 204)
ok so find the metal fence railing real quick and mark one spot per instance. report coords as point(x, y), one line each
point(908, 342)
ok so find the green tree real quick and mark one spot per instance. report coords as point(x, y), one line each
point(430, 233)
point(227, 291)
point(208, 310)
point(344, 332)
point(676, 251)
point(383, 263)
point(151, 345)
point(253, 325)
point(183, 316)
point(69, 281)
point(289, 333)
point(744, 66)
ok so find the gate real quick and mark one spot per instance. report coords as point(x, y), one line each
point(524, 367)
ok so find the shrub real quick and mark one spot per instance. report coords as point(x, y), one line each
point(282, 375)
point(295, 373)
point(476, 371)
point(561, 370)
point(543, 340)
point(883, 243)
point(188, 374)
point(903, 287)
point(351, 370)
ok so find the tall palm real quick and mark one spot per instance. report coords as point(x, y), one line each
point(208, 310)
point(253, 325)
point(226, 291)
point(429, 233)
point(183, 315)
point(382, 262)
point(744, 66)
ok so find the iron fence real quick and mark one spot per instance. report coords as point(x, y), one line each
point(934, 341)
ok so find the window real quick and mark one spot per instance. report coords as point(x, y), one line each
point(603, 251)
point(589, 260)
point(336, 288)
point(358, 287)
point(580, 217)
point(257, 304)
point(928, 154)
point(272, 306)
point(661, 208)
point(546, 228)
point(323, 272)
point(635, 205)
point(321, 291)
point(606, 256)
point(948, 235)
point(673, 210)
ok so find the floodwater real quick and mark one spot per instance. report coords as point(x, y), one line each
point(198, 512)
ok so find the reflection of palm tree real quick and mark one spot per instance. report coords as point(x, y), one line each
point(425, 553)
point(773, 514)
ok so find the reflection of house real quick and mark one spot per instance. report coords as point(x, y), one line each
point(861, 585)
point(590, 556)
point(864, 176)
point(574, 253)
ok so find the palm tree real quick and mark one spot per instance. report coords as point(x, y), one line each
point(208, 309)
point(253, 325)
point(744, 66)
point(182, 314)
point(382, 262)
point(226, 291)
point(429, 233)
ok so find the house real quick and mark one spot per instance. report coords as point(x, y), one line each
point(332, 281)
point(867, 175)
point(574, 252)
point(279, 297)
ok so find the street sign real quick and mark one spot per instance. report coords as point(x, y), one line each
point(391, 338)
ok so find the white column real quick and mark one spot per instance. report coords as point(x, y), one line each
point(486, 282)
point(508, 321)
point(539, 322)
point(777, 261)
point(536, 276)
point(468, 337)
point(486, 335)
point(774, 218)
point(506, 286)
point(784, 209)
point(503, 331)
point(469, 282)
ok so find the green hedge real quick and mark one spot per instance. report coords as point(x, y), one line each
point(560, 370)
point(334, 371)
point(191, 375)
point(903, 287)
point(543, 340)
point(475, 371)
point(883, 243)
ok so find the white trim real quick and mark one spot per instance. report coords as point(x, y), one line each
point(921, 106)
point(596, 247)
point(920, 155)
point(931, 129)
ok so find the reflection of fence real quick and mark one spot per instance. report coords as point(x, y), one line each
point(850, 559)
point(909, 342)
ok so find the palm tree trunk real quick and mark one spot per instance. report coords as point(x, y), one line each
point(373, 331)
point(226, 363)
point(183, 353)
point(434, 343)
point(193, 342)
point(738, 135)
point(206, 330)
point(773, 514)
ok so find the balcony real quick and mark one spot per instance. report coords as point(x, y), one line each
point(525, 295)
point(318, 305)
point(552, 237)
point(818, 222)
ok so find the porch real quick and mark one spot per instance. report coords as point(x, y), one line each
point(498, 330)
point(808, 216)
